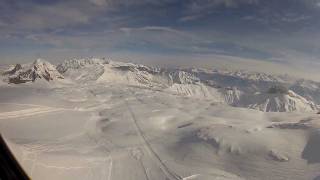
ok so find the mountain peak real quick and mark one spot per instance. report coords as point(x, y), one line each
point(39, 69)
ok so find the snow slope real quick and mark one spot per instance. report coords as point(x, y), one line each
point(123, 132)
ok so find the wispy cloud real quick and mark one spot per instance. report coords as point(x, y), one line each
point(52, 16)
point(198, 6)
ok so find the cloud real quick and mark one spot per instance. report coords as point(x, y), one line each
point(164, 38)
point(200, 5)
point(99, 2)
point(29, 15)
point(154, 28)
point(201, 9)
point(153, 38)
point(51, 17)
point(190, 17)
point(32, 16)
point(3, 24)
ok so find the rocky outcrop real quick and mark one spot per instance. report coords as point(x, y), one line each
point(39, 69)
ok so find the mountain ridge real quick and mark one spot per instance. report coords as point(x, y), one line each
point(39, 69)
point(258, 91)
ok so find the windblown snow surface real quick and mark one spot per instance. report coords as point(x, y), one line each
point(120, 121)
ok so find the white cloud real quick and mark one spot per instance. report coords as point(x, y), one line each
point(99, 2)
point(3, 24)
point(162, 37)
point(200, 5)
point(154, 28)
point(64, 13)
point(190, 17)
point(51, 17)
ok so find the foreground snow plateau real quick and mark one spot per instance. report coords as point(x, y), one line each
point(112, 120)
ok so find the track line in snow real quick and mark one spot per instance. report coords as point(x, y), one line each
point(22, 104)
point(152, 153)
point(191, 177)
point(176, 176)
point(28, 112)
point(110, 168)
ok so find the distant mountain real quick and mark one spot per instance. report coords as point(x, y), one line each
point(82, 70)
point(79, 63)
point(277, 99)
point(308, 89)
point(39, 69)
point(236, 88)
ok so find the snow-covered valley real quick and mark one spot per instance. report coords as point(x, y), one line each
point(101, 119)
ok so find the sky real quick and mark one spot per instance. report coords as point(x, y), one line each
point(249, 33)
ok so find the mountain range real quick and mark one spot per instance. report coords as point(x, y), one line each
point(260, 91)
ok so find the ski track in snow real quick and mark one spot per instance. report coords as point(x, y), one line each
point(191, 177)
point(28, 112)
point(148, 147)
point(36, 110)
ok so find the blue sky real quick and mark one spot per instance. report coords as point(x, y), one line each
point(278, 31)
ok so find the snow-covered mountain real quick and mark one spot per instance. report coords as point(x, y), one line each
point(82, 70)
point(39, 69)
point(130, 74)
point(79, 63)
point(240, 89)
point(277, 102)
point(308, 89)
